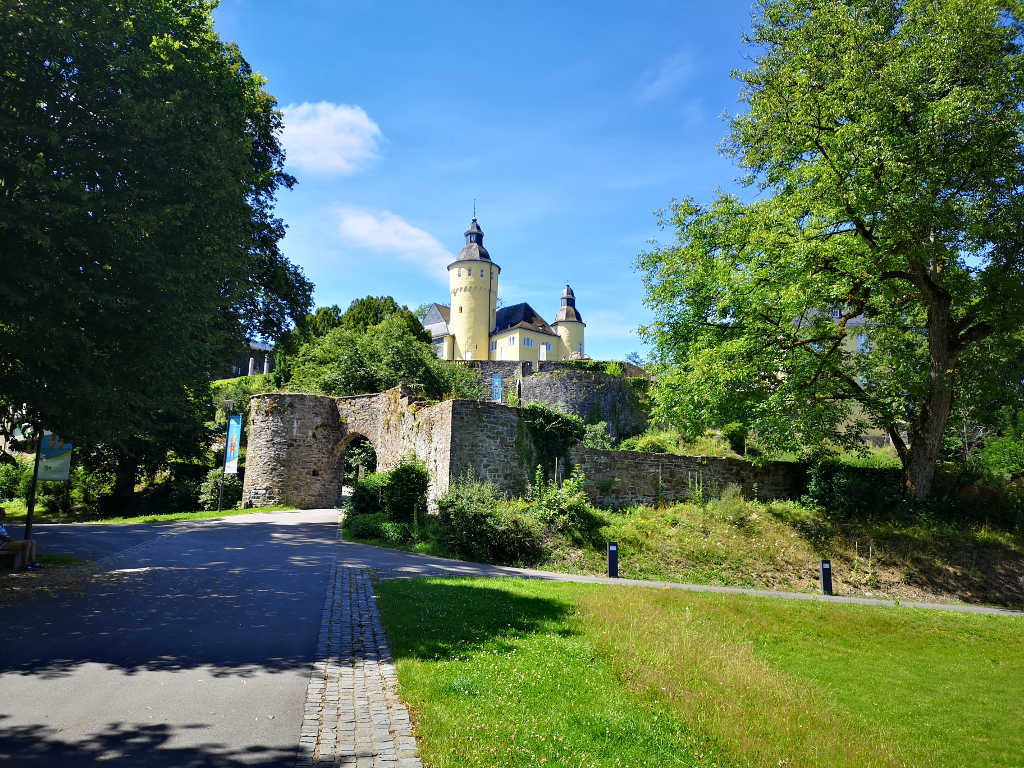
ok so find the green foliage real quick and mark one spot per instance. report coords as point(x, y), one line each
point(565, 507)
point(363, 314)
point(210, 488)
point(360, 453)
point(395, 533)
point(735, 433)
point(596, 436)
point(513, 398)
point(551, 431)
point(239, 390)
point(477, 524)
point(875, 277)
point(12, 482)
point(400, 493)
point(366, 496)
point(366, 526)
point(140, 243)
point(349, 362)
point(404, 495)
point(848, 491)
point(612, 368)
point(650, 442)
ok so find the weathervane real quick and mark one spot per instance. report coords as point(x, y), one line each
point(474, 207)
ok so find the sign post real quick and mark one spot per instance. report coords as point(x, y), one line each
point(613, 560)
point(826, 577)
point(53, 462)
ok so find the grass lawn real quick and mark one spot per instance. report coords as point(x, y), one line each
point(528, 673)
point(16, 513)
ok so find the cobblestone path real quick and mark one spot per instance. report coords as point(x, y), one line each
point(353, 716)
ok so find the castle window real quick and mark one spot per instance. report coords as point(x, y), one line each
point(580, 347)
point(481, 271)
point(511, 341)
point(546, 346)
point(459, 271)
point(460, 310)
point(494, 346)
point(528, 342)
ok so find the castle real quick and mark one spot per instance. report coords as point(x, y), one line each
point(473, 328)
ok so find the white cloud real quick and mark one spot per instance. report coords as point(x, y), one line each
point(387, 232)
point(329, 138)
point(673, 72)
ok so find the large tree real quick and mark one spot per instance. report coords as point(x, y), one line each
point(875, 275)
point(139, 162)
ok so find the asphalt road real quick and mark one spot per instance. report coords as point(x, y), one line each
point(193, 650)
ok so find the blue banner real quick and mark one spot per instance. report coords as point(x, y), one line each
point(234, 443)
point(496, 387)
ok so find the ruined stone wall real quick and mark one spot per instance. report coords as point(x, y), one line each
point(297, 443)
point(621, 478)
point(590, 395)
point(490, 441)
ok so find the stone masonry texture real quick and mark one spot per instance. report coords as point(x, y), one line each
point(297, 445)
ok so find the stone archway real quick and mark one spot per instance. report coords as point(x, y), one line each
point(359, 453)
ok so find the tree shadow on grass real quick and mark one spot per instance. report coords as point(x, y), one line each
point(121, 744)
point(433, 619)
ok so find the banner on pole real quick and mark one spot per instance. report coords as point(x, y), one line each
point(234, 441)
point(54, 458)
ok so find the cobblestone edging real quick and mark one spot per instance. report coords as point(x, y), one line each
point(353, 715)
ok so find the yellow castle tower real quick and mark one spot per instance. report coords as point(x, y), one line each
point(473, 283)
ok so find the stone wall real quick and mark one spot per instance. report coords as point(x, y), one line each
point(511, 372)
point(297, 443)
point(621, 478)
point(590, 395)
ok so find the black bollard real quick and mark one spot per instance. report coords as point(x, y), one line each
point(826, 577)
point(613, 560)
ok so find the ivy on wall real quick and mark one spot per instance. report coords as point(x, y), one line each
point(551, 433)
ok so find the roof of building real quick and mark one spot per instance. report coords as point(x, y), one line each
point(474, 250)
point(521, 316)
point(436, 320)
point(567, 313)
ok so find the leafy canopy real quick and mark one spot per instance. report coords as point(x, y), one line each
point(139, 162)
point(876, 275)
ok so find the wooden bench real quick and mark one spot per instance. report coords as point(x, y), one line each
point(8, 558)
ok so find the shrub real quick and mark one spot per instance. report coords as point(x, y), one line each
point(476, 524)
point(183, 494)
point(401, 493)
point(845, 491)
point(395, 533)
point(366, 526)
point(649, 442)
point(11, 478)
point(596, 436)
point(209, 490)
point(404, 494)
point(566, 508)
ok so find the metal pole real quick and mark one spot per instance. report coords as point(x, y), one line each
point(31, 500)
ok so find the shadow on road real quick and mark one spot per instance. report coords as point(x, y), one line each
point(232, 599)
point(119, 743)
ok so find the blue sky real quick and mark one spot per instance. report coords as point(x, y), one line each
point(569, 123)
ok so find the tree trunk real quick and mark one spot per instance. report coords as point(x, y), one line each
point(930, 425)
point(126, 472)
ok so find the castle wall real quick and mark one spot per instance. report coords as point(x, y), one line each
point(511, 372)
point(591, 395)
point(622, 478)
point(297, 443)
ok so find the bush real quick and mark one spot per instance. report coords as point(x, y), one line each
point(650, 442)
point(395, 533)
point(183, 494)
point(209, 490)
point(366, 496)
point(845, 491)
point(364, 526)
point(596, 436)
point(565, 508)
point(404, 495)
point(11, 478)
point(476, 524)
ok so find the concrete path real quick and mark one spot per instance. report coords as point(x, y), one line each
point(194, 648)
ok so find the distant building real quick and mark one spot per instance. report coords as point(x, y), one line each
point(473, 328)
point(256, 358)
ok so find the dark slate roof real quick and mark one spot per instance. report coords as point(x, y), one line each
point(521, 316)
point(474, 250)
point(568, 313)
point(436, 321)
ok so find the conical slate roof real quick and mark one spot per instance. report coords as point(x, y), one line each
point(474, 250)
point(568, 313)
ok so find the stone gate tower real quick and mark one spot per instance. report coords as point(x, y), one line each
point(473, 279)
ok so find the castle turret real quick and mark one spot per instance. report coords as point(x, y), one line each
point(569, 326)
point(473, 283)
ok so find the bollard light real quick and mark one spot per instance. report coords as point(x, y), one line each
point(826, 577)
point(613, 560)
